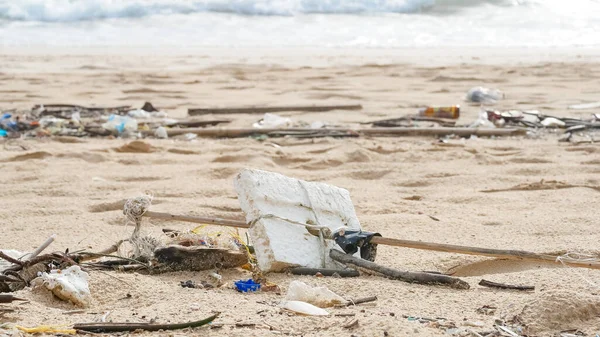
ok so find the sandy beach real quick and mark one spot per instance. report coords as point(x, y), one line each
point(417, 188)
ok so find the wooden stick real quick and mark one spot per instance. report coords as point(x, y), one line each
point(361, 301)
point(264, 109)
point(497, 253)
point(325, 272)
point(120, 327)
point(486, 283)
point(374, 132)
point(393, 274)
point(5, 298)
point(198, 219)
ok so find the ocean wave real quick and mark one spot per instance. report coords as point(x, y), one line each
point(89, 10)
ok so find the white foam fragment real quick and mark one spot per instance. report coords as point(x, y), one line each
point(270, 199)
point(303, 308)
point(69, 284)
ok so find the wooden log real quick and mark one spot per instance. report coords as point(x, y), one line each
point(198, 258)
point(490, 284)
point(393, 274)
point(265, 109)
point(375, 132)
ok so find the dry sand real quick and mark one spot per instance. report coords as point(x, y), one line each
point(397, 184)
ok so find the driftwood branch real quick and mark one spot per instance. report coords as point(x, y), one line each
point(264, 109)
point(489, 252)
point(344, 132)
point(361, 301)
point(325, 272)
point(393, 274)
point(4, 298)
point(120, 327)
point(486, 283)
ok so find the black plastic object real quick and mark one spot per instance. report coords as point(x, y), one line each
point(352, 241)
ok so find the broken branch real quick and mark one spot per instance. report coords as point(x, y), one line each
point(393, 274)
point(264, 109)
point(486, 283)
point(120, 327)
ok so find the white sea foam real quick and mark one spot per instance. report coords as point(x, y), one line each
point(316, 23)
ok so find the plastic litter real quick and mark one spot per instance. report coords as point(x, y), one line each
point(139, 114)
point(69, 284)
point(319, 296)
point(47, 329)
point(161, 132)
point(482, 120)
point(3, 133)
point(245, 286)
point(582, 106)
point(552, 122)
point(119, 124)
point(452, 112)
point(484, 95)
point(270, 120)
point(303, 308)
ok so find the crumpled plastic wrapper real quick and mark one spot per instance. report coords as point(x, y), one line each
point(69, 284)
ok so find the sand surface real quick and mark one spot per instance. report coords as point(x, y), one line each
point(409, 188)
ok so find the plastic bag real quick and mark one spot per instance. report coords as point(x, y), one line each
point(119, 124)
point(319, 296)
point(272, 121)
point(482, 120)
point(161, 132)
point(484, 95)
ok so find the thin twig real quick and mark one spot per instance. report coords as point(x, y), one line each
point(11, 259)
point(120, 327)
point(486, 283)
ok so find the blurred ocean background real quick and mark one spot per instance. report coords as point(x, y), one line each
point(300, 23)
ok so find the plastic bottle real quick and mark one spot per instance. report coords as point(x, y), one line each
point(452, 112)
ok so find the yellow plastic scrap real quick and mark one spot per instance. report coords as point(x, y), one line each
point(47, 329)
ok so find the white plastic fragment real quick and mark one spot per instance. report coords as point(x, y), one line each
point(484, 95)
point(278, 206)
point(161, 132)
point(592, 105)
point(69, 284)
point(319, 296)
point(270, 120)
point(12, 253)
point(303, 308)
point(552, 122)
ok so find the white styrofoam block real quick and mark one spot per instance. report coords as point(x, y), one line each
point(269, 199)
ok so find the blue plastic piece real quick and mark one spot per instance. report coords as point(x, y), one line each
point(247, 285)
point(3, 133)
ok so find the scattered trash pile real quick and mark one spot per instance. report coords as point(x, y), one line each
point(440, 121)
point(80, 121)
point(305, 228)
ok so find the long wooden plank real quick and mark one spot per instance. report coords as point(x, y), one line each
point(380, 132)
point(497, 253)
point(264, 109)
